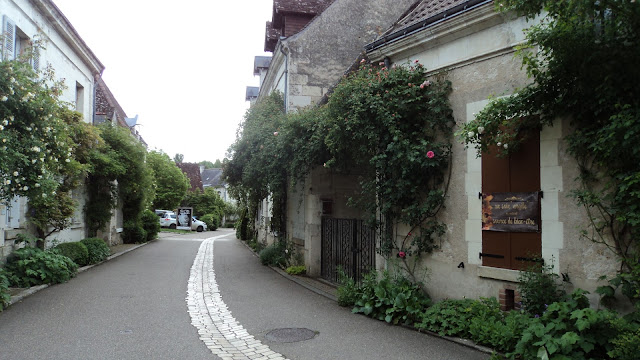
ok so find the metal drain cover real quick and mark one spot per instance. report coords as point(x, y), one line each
point(289, 335)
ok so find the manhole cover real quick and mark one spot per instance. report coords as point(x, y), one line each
point(289, 335)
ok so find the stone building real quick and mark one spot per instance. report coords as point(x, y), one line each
point(308, 59)
point(475, 45)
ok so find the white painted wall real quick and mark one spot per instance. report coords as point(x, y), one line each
point(73, 62)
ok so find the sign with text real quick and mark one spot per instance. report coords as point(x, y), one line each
point(511, 211)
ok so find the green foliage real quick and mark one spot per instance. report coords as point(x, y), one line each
point(584, 68)
point(258, 165)
point(274, 255)
point(393, 299)
point(133, 233)
point(499, 331)
point(539, 287)
point(242, 225)
point(34, 142)
point(628, 282)
point(348, 291)
point(171, 183)
point(626, 346)
point(150, 224)
point(212, 221)
point(76, 251)
point(296, 270)
point(569, 330)
point(32, 266)
point(98, 249)
point(208, 205)
point(5, 297)
point(453, 317)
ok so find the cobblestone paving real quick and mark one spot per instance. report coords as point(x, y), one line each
point(217, 327)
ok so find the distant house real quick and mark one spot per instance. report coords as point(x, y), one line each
point(213, 178)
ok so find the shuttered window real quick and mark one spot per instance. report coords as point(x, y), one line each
point(9, 38)
point(518, 172)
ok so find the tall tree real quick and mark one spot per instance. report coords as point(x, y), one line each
point(171, 182)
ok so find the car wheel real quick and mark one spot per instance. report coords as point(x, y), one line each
point(200, 229)
point(172, 226)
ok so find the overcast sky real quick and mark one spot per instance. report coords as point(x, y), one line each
point(182, 67)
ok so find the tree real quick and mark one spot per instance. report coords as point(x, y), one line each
point(178, 158)
point(171, 183)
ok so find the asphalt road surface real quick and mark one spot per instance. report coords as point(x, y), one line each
point(134, 307)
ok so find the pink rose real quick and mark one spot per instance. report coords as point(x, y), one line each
point(402, 254)
point(275, 133)
point(430, 154)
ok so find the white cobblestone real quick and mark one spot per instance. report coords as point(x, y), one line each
point(217, 327)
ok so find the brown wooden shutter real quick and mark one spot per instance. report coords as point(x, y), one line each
point(518, 172)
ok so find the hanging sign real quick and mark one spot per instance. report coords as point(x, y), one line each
point(511, 211)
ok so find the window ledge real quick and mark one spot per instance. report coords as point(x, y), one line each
point(498, 273)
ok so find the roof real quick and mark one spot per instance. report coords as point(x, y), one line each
point(260, 62)
point(212, 177)
point(422, 15)
point(309, 7)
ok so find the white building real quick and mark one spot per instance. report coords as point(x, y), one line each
point(73, 61)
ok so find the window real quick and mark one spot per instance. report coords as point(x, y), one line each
point(16, 43)
point(79, 97)
point(519, 172)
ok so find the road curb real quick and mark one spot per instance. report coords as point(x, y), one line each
point(34, 289)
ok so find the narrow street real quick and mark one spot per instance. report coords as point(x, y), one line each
point(165, 301)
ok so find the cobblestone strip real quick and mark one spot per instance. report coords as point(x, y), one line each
point(219, 330)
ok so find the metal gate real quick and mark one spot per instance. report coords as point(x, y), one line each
point(349, 244)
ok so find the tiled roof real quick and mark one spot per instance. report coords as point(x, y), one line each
point(310, 7)
point(212, 177)
point(422, 15)
point(424, 10)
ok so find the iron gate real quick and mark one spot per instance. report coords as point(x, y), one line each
point(349, 244)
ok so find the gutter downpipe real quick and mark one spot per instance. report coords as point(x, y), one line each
point(286, 78)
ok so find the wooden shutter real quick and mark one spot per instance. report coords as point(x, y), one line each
point(518, 172)
point(14, 213)
point(9, 40)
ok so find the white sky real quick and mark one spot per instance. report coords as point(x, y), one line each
point(182, 67)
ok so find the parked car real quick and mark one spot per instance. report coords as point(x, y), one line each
point(198, 225)
point(168, 219)
point(161, 212)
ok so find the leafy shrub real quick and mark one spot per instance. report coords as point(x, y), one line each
point(97, 248)
point(626, 346)
point(134, 233)
point(296, 270)
point(392, 299)
point(76, 251)
point(4, 289)
point(500, 333)
point(32, 266)
point(348, 290)
point(150, 224)
point(539, 287)
point(453, 317)
point(274, 255)
point(212, 221)
point(569, 330)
